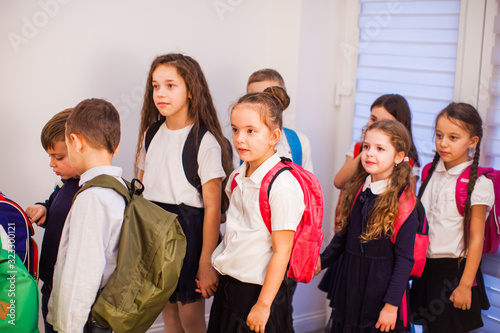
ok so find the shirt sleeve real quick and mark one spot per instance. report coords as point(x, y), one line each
point(286, 201)
point(333, 251)
point(350, 152)
point(484, 193)
point(141, 161)
point(78, 274)
point(210, 159)
point(48, 203)
point(403, 264)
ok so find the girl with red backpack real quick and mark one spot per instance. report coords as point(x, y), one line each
point(252, 292)
point(450, 294)
point(369, 260)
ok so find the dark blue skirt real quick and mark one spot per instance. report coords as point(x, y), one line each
point(191, 221)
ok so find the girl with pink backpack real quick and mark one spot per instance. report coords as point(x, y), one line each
point(450, 294)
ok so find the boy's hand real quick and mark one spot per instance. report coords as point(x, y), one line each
point(37, 213)
point(318, 267)
point(207, 279)
point(258, 316)
point(387, 318)
point(461, 297)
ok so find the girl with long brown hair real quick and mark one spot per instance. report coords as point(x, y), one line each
point(368, 273)
point(177, 100)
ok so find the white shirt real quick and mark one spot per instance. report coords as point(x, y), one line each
point(246, 248)
point(446, 235)
point(415, 169)
point(283, 149)
point(88, 252)
point(164, 178)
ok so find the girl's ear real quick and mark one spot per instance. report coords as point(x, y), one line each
point(473, 141)
point(399, 157)
point(275, 136)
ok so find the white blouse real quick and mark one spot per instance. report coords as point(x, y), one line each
point(446, 235)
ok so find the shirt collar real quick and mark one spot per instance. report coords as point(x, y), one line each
point(456, 170)
point(262, 170)
point(377, 187)
point(100, 170)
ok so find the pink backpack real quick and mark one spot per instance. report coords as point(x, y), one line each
point(492, 226)
point(308, 236)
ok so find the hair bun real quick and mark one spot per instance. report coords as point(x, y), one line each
point(280, 95)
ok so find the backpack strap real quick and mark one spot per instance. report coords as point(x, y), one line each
point(405, 209)
point(357, 149)
point(461, 187)
point(190, 155)
point(150, 133)
point(295, 146)
point(107, 181)
point(265, 190)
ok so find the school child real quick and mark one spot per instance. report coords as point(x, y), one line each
point(265, 78)
point(390, 106)
point(177, 93)
point(88, 248)
point(52, 213)
point(367, 272)
point(252, 293)
point(450, 294)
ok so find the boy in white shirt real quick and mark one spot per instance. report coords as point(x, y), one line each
point(89, 243)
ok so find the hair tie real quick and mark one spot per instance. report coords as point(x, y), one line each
point(406, 159)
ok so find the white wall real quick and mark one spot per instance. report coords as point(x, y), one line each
point(55, 53)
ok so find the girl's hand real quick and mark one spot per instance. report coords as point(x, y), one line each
point(258, 316)
point(387, 318)
point(37, 213)
point(207, 279)
point(461, 297)
point(318, 267)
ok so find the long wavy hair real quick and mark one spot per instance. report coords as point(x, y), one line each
point(383, 215)
point(465, 116)
point(201, 106)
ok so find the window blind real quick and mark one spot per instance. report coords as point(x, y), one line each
point(491, 263)
point(408, 48)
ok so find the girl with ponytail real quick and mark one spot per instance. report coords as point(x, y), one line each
point(452, 275)
point(252, 292)
point(367, 272)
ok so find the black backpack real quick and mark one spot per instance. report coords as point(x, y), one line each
point(190, 157)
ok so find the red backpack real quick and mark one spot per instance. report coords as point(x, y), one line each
point(18, 227)
point(492, 225)
point(308, 236)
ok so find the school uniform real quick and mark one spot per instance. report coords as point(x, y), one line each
point(88, 252)
point(443, 270)
point(362, 277)
point(243, 256)
point(58, 206)
point(165, 184)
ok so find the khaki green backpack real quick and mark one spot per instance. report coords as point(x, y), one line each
point(150, 255)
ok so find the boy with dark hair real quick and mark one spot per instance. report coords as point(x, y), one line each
point(89, 244)
point(52, 213)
